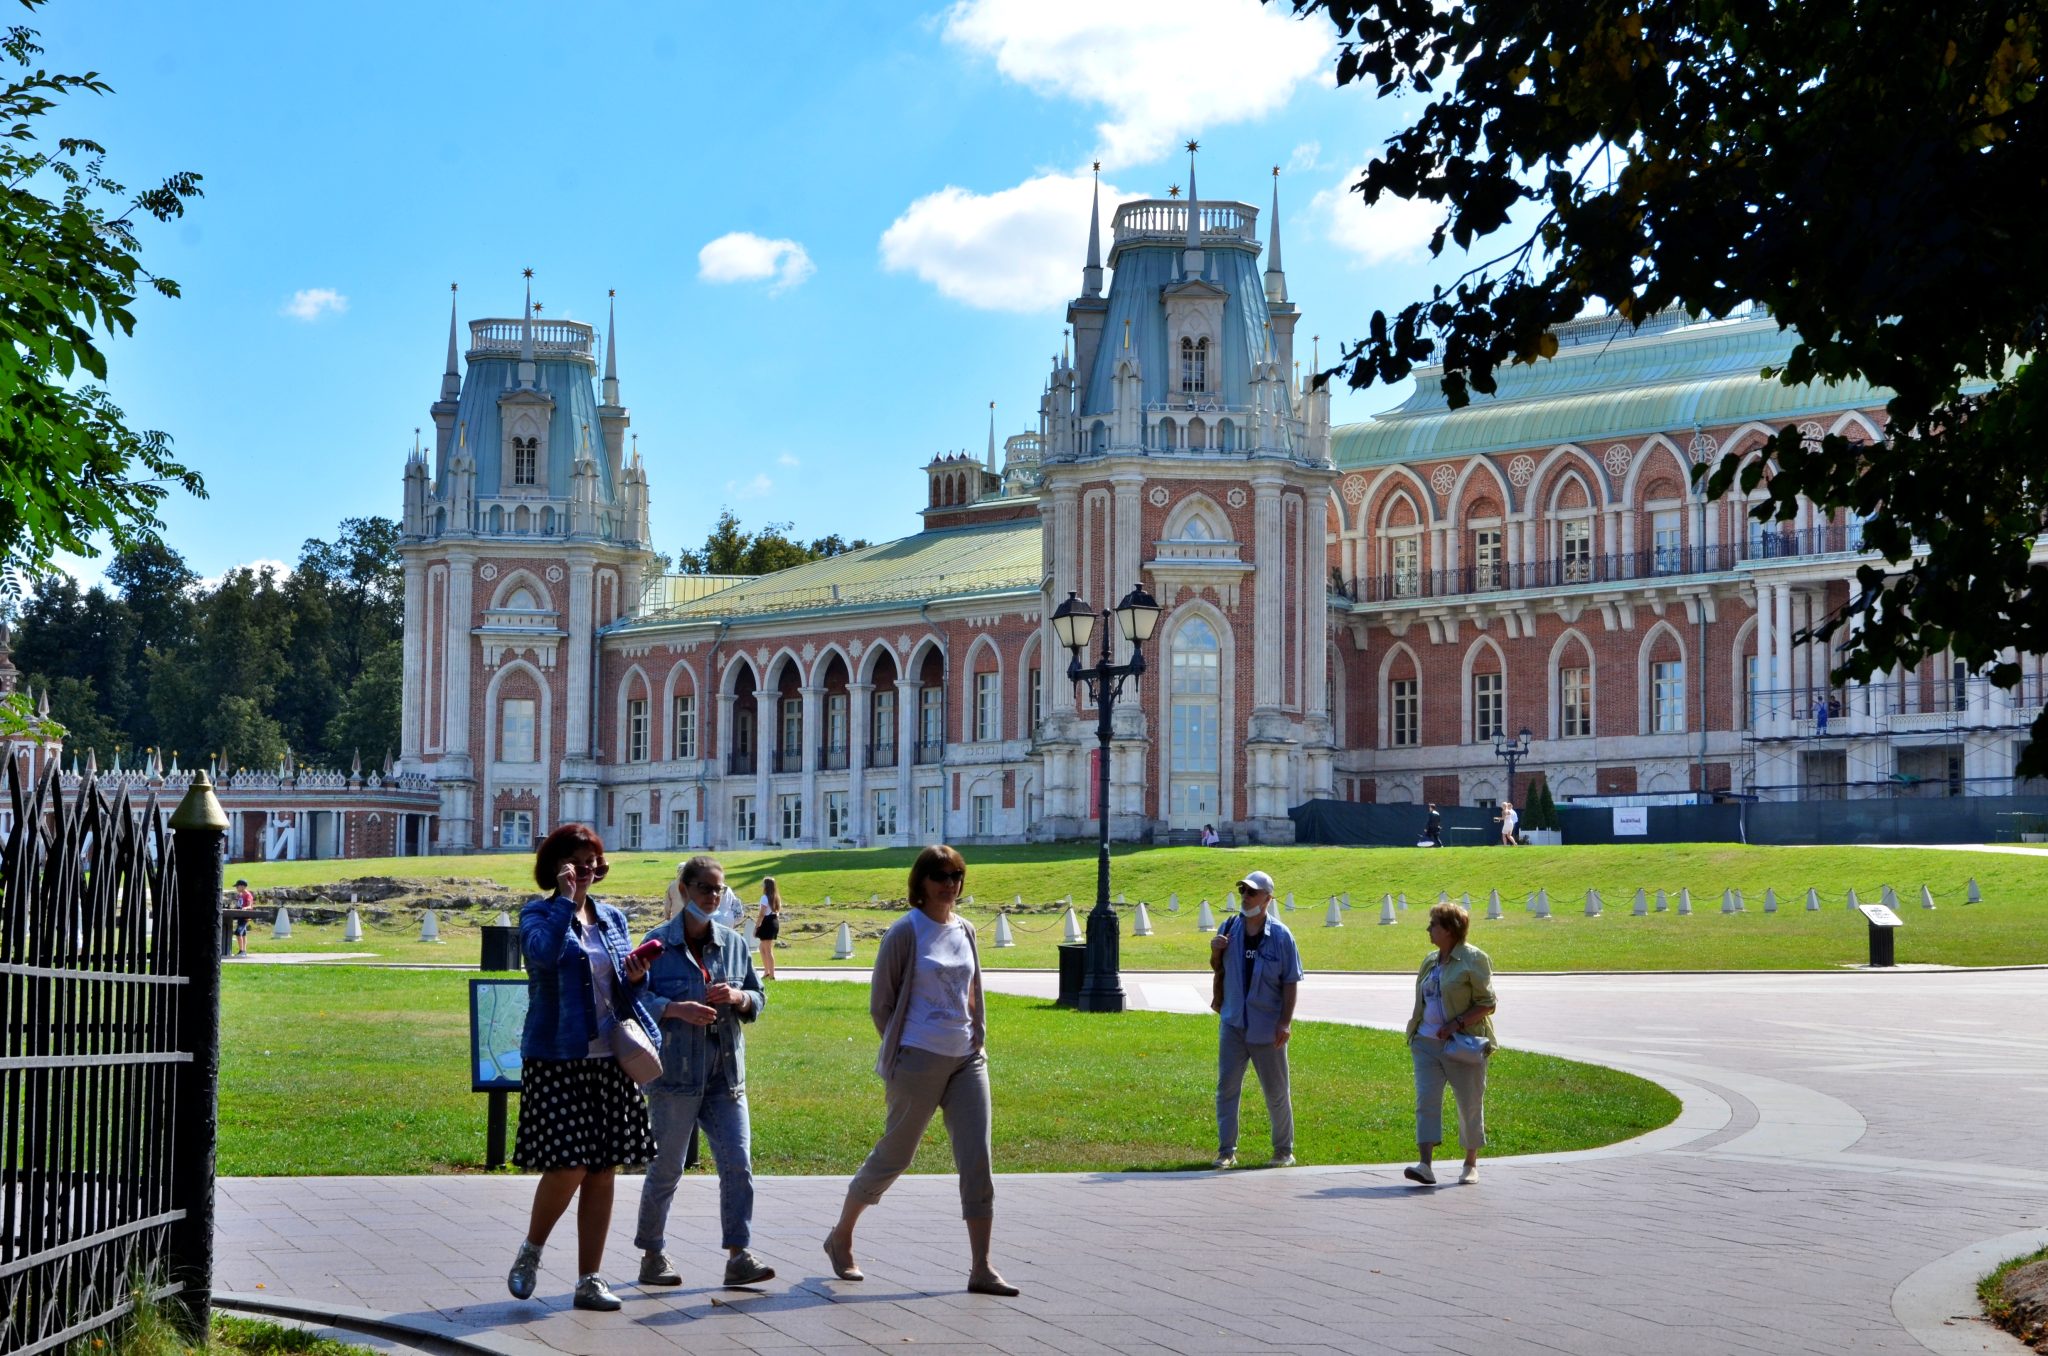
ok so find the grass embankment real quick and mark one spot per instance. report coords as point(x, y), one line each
point(355, 1071)
point(2009, 927)
point(2018, 1303)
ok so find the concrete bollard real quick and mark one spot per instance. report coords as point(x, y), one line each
point(1400, 901)
point(504, 919)
point(1070, 928)
point(1812, 900)
point(1770, 900)
point(1854, 903)
point(1017, 901)
point(1663, 902)
point(1387, 918)
point(842, 946)
point(1173, 901)
point(352, 931)
point(1926, 898)
point(1685, 902)
point(281, 926)
point(1346, 897)
point(1443, 896)
point(1290, 901)
point(1542, 905)
point(1727, 901)
point(1641, 908)
point(1141, 926)
point(1975, 896)
point(1493, 910)
point(1741, 905)
point(1205, 920)
point(430, 927)
point(1121, 901)
point(1592, 903)
point(1465, 902)
point(1335, 917)
point(827, 904)
point(1003, 937)
point(1889, 899)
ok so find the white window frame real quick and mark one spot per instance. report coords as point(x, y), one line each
point(635, 830)
point(987, 711)
point(1404, 713)
point(1667, 696)
point(1489, 559)
point(1667, 539)
point(636, 729)
point(1407, 565)
point(838, 822)
point(744, 826)
point(931, 811)
point(515, 828)
point(790, 813)
point(984, 816)
point(1574, 701)
point(683, 737)
point(1575, 551)
point(1489, 706)
point(526, 749)
point(885, 812)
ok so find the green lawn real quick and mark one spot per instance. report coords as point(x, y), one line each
point(365, 1071)
point(2009, 927)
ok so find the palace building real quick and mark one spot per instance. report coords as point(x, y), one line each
point(1351, 613)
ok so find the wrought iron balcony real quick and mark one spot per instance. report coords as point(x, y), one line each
point(930, 751)
point(740, 761)
point(833, 758)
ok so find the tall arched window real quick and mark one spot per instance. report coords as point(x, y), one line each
point(1194, 782)
point(1194, 366)
point(526, 461)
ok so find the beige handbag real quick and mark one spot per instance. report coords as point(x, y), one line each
point(636, 1054)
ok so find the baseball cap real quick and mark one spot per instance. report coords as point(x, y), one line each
point(1257, 880)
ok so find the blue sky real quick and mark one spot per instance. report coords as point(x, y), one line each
point(895, 198)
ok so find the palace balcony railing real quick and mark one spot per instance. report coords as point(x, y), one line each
point(930, 751)
point(833, 758)
point(789, 760)
point(740, 762)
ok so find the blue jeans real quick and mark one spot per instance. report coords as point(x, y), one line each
point(723, 1114)
point(1233, 1052)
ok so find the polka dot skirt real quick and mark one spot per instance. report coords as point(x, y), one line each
point(580, 1113)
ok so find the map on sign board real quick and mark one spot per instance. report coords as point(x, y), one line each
point(1880, 915)
point(497, 1017)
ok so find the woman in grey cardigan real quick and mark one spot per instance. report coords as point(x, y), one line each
point(927, 1006)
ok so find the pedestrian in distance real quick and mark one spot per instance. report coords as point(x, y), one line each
point(581, 1117)
point(1261, 968)
point(1209, 838)
point(1820, 714)
point(1507, 819)
point(768, 925)
point(927, 1006)
point(1450, 1039)
point(244, 899)
point(702, 986)
point(1433, 828)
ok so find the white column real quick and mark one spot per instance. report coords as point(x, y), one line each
point(1766, 655)
point(860, 707)
point(813, 737)
point(906, 755)
point(1802, 655)
point(727, 740)
point(1268, 582)
point(576, 658)
point(1781, 634)
point(767, 733)
point(455, 657)
point(414, 694)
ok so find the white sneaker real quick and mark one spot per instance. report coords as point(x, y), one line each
point(1224, 1162)
point(1470, 1176)
point(1420, 1172)
point(1281, 1161)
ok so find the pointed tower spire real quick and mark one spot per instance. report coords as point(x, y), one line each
point(451, 380)
point(992, 436)
point(1191, 255)
point(526, 334)
point(611, 348)
point(1091, 275)
point(1276, 277)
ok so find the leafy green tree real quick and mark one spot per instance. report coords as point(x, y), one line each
point(75, 706)
point(368, 720)
point(347, 602)
point(215, 693)
point(1869, 173)
point(71, 469)
point(730, 550)
point(83, 647)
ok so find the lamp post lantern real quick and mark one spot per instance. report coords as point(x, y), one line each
point(1074, 623)
point(1512, 751)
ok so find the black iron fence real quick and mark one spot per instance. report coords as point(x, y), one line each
point(110, 993)
point(1566, 571)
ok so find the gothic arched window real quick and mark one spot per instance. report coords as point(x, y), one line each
point(1194, 366)
point(1195, 727)
point(526, 461)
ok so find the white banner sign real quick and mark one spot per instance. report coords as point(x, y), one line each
point(1631, 821)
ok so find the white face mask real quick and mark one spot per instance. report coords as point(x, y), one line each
point(1251, 910)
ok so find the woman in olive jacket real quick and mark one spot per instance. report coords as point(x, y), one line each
point(1453, 997)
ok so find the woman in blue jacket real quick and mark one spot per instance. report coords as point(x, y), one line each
point(580, 1116)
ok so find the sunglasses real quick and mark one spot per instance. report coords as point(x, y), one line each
point(954, 876)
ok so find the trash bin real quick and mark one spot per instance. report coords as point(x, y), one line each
point(1073, 965)
point(501, 948)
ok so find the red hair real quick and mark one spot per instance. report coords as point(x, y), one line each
point(559, 847)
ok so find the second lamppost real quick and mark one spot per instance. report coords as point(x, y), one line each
point(1073, 621)
point(1513, 751)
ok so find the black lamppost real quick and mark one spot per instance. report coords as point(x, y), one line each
point(1073, 622)
point(1513, 751)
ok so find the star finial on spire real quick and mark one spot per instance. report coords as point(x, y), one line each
point(1173, 190)
point(536, 308)
point(454, 287)
point(611, 291)
point(1098, 167)
point(526, 273)
point(1193, 146)
point(1276, 171)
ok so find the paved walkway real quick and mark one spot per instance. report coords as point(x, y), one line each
point(1848, 1140)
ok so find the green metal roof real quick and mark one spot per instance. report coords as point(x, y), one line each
point(961, 562)
point(1606, 382)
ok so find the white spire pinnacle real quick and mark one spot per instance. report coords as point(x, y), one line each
point(1191, 254)
point(991, 435)
point(1276, 277)
point(1091, 275)
point(451, 379)
point(526, 335)
point(611, 348)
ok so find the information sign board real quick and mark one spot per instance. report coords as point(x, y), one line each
point(497, 1017)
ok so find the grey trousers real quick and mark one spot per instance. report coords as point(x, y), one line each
point(921, 1083)
point(1468, 1082)
point(1232, 1054)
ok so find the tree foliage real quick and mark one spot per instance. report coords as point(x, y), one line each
point(71, 469)
point(1873, 174)
point(728, 549)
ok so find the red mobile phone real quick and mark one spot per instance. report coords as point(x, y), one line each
point(646, 951)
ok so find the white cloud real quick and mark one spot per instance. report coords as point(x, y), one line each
point(742, 256)
point(787, 459)
point(310, 303)
point(1019, 249)
point(1307, 156)
point(1164, 69)
point(1393, 230)
point(759, 487)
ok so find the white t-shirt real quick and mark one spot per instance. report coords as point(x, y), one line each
point(940, 985)
point(730, 911)
point(1508, 817)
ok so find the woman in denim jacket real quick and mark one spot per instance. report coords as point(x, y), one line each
point(1453, 997)
point(580, 1116)
point(703, 988)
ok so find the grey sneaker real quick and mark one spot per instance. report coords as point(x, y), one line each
point(656, 1269)
point(1225, 1162)
point(525, 1272)
point(593, 1293)
point(745, 1268)
point(1281, 1161)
